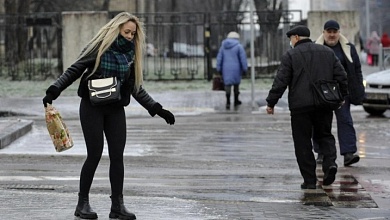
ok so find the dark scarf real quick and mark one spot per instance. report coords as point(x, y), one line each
point(117, 59)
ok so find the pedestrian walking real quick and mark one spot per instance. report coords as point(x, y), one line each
point(349, 58)
point(116, 50)
point(373, 43)
point(305, 116)
point(232, 64)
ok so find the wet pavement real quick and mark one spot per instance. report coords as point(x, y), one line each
point(212, 164)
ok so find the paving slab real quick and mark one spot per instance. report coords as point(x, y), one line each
point(212, 164)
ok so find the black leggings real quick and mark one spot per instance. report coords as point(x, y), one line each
point(96, 120)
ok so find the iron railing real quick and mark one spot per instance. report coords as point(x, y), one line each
point(30, 46)
point(180, 46)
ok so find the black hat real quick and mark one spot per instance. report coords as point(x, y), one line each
point(299, 30)
point(331, 24)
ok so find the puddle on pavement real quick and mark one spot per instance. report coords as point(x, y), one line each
point(345, 192)
point(316, 197)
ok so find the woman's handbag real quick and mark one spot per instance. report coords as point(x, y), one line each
point(104, 91)
point(58, 131)
point(218, 83)
point(369, 59)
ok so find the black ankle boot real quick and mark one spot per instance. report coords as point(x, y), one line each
point(227, 101)
point(118, 209)
point(83, 209)
point(236, 101)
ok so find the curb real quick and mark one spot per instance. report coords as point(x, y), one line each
point(10, 130)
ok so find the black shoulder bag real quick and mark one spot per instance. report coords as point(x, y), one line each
point(104, 91)
point(326, 93)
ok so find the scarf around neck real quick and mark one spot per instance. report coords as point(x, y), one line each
point(116, 61)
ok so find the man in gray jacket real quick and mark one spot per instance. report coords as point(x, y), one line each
point(321, 63)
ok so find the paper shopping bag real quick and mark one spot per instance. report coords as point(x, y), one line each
point(58, 131)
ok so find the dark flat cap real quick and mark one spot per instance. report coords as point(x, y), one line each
point(299, 30)
point(331, 24)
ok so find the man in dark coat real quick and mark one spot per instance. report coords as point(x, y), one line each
point(349, 58)
point(321, 63)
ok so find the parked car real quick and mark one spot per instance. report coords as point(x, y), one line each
point(151, 51)
point(182, 50)
point(377, 93)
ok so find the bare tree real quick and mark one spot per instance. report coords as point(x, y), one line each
point(69, 5)
point(269, 14)
point(105, 6)
point(226, 14)
point(15, 35)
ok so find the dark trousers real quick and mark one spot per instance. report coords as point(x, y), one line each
point(375, 58)
point(96, 121)
point(346, 133)
point(228, 89)
point(303, 125)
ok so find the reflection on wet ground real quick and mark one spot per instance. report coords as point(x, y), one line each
point(345, 192)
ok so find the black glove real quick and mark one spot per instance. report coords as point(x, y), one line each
point(51, 94)
point(47, 99)
point(167, 115)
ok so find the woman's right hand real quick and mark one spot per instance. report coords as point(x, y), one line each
point(51, 94)
point(47, 99)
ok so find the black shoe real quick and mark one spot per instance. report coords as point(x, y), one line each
point(83, 209)
point(350, 159)
point(320, 158)
point(308, 186)
point(228, 106)
point(329, 176)
point(118, 209)
point(237, 103)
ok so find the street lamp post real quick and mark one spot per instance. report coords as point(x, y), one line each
point(367, 19)
point(252, 50)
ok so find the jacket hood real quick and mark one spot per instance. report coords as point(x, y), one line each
point(229, 43)
point(374, 35)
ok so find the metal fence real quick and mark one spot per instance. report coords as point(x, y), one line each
point(180, 46)
point(30, 46)
point(185, 45)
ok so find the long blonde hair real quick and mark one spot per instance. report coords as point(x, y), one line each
point(107, 35)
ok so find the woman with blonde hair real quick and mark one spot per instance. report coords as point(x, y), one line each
point(115, 51)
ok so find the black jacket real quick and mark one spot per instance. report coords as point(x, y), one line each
point(355, 77)
point(85, 65)
point(352, 67)
point(322, 64)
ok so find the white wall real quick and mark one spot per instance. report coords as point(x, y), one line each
point(77, 29)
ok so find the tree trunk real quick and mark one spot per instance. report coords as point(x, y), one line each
point(10, 31)
point(106, 5)
point(23, 9)
point(15, 34)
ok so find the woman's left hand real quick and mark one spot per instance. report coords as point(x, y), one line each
point(167, 115)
